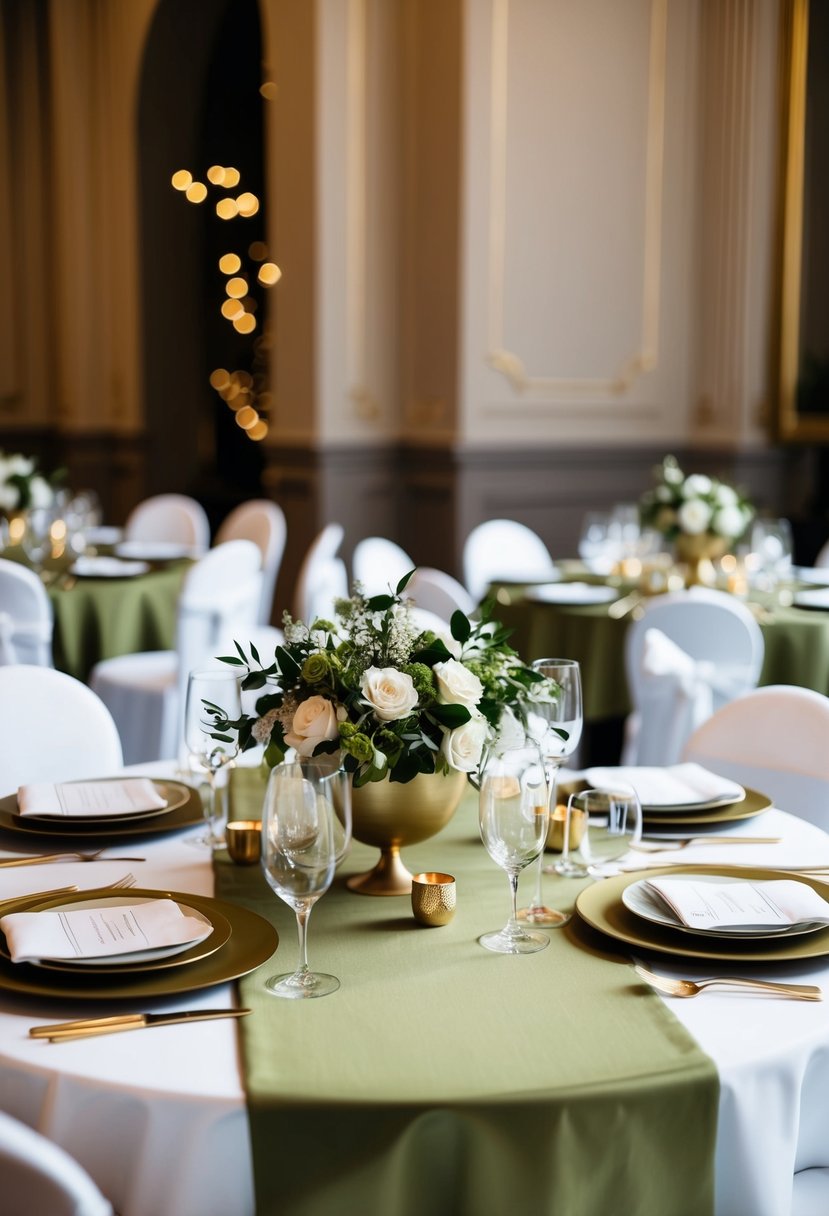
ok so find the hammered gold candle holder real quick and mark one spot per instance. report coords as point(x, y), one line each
point(433, 898)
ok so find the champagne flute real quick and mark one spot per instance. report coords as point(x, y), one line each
point(563, 715)
point(213, 699)
point(306, 830)
point(514, 814)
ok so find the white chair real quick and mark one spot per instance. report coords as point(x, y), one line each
point(504, 549)
point(773, 739)
point(145, 692)
point(379, 564)
point(440, 593)
point(41, 1179)
point(53, 728)
point(26, 617)
point(263, 522)
point(322, 578)
point(822, 559)
point(174, 518)
point(689, 653)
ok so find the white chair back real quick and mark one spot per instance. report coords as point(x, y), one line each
point(822, 559)
point(379, 564)
point(322, 577)
point(53, 728)
point(689, 654)
point(176, 518)
point(504, 549)
point(773, 739)
point(263, 522)
point(26, 617)
point(439, 593)
point(40, 1177)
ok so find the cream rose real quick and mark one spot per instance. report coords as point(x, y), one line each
point(315, 721)
point(389, 692)
point(694, 516)
point(457, 685)
point(462, 746)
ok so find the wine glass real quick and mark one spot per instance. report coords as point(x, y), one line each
point(556, 726)
point(514, 814)
point(213, 700)
point(306, 830)
point(601, 827)
point(771, 548)
point(36, 540)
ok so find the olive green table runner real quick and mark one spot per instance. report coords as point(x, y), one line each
point(443, 1078)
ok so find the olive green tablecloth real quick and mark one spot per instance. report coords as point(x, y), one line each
point(446, 1079)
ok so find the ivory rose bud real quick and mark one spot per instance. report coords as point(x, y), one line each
point(457, 685)
point(389, 692)
point(315, 721)
point(462, 746)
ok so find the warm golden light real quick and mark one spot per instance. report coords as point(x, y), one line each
point(196, 193)
point(268, 90)
point(258, 250)
point(247, 417)
point(259, 430)
point(236, 288)
point(231, 393)
point(229, 263)
point(216, 175)
point(269, 273)
point(232, 309)
point(245, 324)
point(226, 208)
point(248, 204)
point(219, 379)
point(181, 179)
point(231, 178)
point(245, 379)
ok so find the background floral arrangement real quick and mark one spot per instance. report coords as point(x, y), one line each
point(21, 484)
point(695, 505)
point(394, 699)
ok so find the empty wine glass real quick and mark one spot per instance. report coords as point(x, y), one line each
point(213, 700)
point(771, 552)
point(556, 726)
point(601, 827)
point(306, 830)
point(514, 814)
point(36, 540)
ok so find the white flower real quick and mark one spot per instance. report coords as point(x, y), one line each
point(457, 685)
point(20, 465)
point(694, 516)
point(663, 494)
point(462, 746)
point(697, 486)
point(315, 721)
point(672, 474)
point(41, 492)
point(8, 497)
point(510, 732)
point(729, 521)
point(390, 693)
point(725, 496)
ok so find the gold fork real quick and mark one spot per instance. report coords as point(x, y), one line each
point(686, 988)
point(653, 845)
point(39, 858)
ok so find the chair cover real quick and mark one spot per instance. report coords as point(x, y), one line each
point(52, 728)
point(26, 617)
point(773, 739)
point(41, 1179)
point(437, 592)
point(322, 577)
point(379, 564)
point(263, 522)
point(170, 517)
point(504, 549)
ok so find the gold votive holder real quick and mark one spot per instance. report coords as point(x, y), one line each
point(433, 898)
point(558, 822)
point(244, 841)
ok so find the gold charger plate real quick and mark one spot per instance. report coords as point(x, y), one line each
point(753, 804)
point(183, 809)
point(252, 942)
point(601, 907)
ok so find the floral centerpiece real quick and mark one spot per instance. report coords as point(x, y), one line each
point(694, 505)
point(394, 699)
point(22, 485)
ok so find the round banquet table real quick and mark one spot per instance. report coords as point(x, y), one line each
point(159, 1117)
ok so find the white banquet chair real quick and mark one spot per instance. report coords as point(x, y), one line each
point(435, 591)
point(773, 739)
point(379, 564)
point(263, 522)
point(26, 618)
point(40, 1178)
point(53, 728)
point(685, 657)
point(322, 577)
point(170, 518)
point(504, 549)
point(145, 692)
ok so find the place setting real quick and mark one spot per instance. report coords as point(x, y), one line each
point(125, 806)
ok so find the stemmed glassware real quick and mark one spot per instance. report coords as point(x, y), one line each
point(601, 827)
point(36, 540)
point(213, 697)
point(514, 813)
point(306, 830)
point(563, 715)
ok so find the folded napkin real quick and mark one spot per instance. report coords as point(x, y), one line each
point(675, 785)
point(107, 567)
point(702, 904)
point(100, 931)
point(86, 799)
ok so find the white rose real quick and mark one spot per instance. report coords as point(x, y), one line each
point(462, 746)
point(510, 731)
point(457, 685)
point(389, 692)
point(41, 492)
point(694, 516)
point(697, 486)
point(725, 496)
point(20, 465)
point(728, 521)
point(315, 721)
point(8, 497)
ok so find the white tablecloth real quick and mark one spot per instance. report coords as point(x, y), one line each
point(158, 1118)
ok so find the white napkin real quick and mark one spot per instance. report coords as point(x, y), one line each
point(100, 931)
point(86, 799)
point(107, 567)
point(675, 785)
point(702, 904)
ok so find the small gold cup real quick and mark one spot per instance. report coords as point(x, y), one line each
point(244, 841)
point(433, 898)
point(558, 822)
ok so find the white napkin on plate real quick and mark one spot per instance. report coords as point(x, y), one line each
point(87, 799)
point(107, 567)
point(675, 785)
point(703, 903)
point(100, 931)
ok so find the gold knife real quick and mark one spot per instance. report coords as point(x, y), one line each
point(59, 1032)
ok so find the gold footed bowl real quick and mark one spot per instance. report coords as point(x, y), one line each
point(391, 814)
point(698, 554)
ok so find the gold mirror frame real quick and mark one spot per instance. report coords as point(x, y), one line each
point(792, 424)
